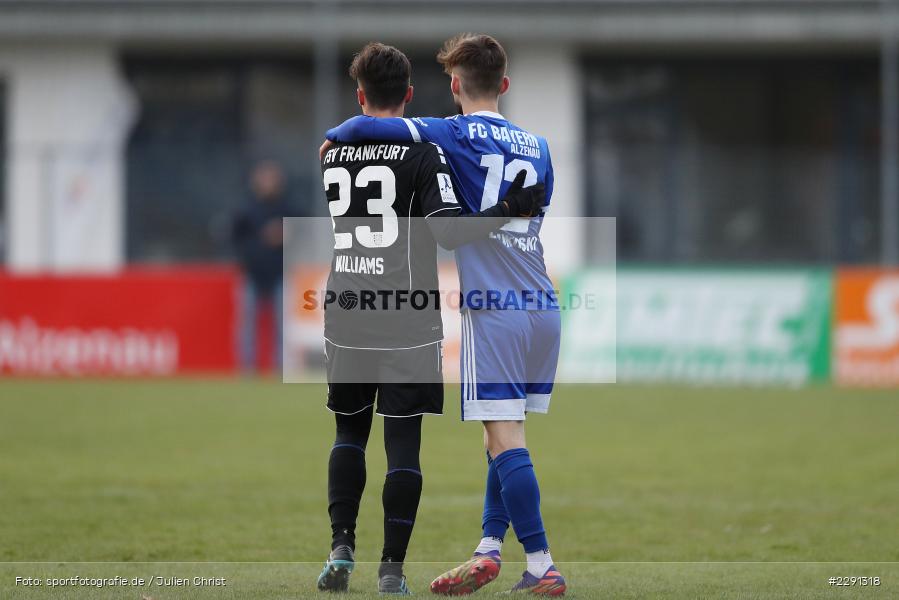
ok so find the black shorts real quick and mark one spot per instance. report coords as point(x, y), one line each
point(405, 382)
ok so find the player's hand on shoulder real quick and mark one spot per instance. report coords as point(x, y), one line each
point(524, 201)
point(324, 148)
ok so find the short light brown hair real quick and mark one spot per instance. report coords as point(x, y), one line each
point(481, 60)
point(383, 73)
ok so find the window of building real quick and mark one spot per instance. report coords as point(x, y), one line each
point(735, 160)
point(202, 125)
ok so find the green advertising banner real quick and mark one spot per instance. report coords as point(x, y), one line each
point(701, 326)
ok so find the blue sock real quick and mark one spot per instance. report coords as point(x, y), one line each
point(521, 495)
point(496, 518)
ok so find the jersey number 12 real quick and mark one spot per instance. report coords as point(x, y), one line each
point(497, 171)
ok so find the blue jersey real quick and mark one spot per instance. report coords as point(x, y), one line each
point(485, 153)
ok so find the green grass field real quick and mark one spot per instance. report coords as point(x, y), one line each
point(648, 492)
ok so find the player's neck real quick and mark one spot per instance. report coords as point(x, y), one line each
point(383, 112)
point(473, 106)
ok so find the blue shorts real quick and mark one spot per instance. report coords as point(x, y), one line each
point(509, 360)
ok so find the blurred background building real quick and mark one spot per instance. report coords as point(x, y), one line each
point(716, 131)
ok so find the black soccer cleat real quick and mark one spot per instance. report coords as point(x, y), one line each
point(391, 581)
point(335, 577)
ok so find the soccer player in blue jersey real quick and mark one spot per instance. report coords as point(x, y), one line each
point(510, 321)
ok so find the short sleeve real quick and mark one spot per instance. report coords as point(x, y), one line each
point(434, 188)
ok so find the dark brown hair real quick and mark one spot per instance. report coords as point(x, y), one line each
point(481, 60)
point(383, 73)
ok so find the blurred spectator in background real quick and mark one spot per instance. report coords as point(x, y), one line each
point(258, 240)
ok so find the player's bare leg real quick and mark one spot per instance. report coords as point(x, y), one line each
point(500, 436)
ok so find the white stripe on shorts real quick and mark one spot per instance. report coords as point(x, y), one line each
point(505, 409)
point(471, 375)
point(538, 403)
point(467, 344)
point(474, 359)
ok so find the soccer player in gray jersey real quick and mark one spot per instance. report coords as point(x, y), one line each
point(391, 204)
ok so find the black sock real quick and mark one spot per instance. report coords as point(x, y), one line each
point(402, 491)
point(402, 486)
point(346, 482)
point(346, 476)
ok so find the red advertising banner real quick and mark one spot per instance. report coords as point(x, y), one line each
point(866, 327)
point(141, 322)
